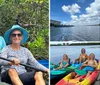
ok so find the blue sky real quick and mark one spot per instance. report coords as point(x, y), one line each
point(74, 11)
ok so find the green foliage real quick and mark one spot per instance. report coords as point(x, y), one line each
point(39, 47)
point(34, 12)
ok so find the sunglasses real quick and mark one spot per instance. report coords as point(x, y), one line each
point(14, 35)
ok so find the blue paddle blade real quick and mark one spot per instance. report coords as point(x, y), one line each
point(80, 72)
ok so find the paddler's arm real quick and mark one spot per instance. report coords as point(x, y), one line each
point(87, 56)
point(95, 65)
point(80, 59)
point(76, 59)
point(85, 63)
point(60, 64)
point(4, 55)
point(33, 62)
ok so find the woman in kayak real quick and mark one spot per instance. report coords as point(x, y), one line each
point(64, 63)
point(13, 72)
point(83, 56)
point(89, 66)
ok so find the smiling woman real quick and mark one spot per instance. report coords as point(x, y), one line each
point(30, 19)
point(16, 36)
point(12, 72)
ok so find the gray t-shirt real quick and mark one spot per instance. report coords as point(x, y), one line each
point(23, 54)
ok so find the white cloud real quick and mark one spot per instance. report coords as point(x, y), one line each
point(75, 8)
point(74, 17)
point(95, 6)
point(92, 15)
point(72, 9)
point(65, 8)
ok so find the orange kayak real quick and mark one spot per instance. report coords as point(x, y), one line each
point(68, 80)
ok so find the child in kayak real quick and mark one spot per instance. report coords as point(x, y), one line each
point(90, 65)
point(83, 56)
point(64, 63)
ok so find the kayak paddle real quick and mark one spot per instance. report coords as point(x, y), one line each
point(22, 64)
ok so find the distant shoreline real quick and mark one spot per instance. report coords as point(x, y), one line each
point(71, 25)
point(55, 23)
point(92, 25)
point(74, 44)
point(61, 25)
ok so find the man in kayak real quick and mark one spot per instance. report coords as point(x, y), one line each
point(89, 65)
point(64, 63)
point(13, 72)
point(83, 56)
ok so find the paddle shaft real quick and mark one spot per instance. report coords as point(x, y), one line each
point(22, 64)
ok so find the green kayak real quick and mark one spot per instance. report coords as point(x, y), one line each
point(64, 70)
point(61, 71)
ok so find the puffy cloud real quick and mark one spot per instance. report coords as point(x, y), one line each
point(95, 6)
point(65, 8)
point(74, 17)
point(92, 15)
point(74, 8)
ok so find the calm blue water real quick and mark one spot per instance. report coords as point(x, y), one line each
point(77, 33)
point(56, 52)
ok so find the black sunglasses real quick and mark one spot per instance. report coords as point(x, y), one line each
point(14, 35)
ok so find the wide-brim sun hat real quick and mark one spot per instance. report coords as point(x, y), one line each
point(16, 27)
